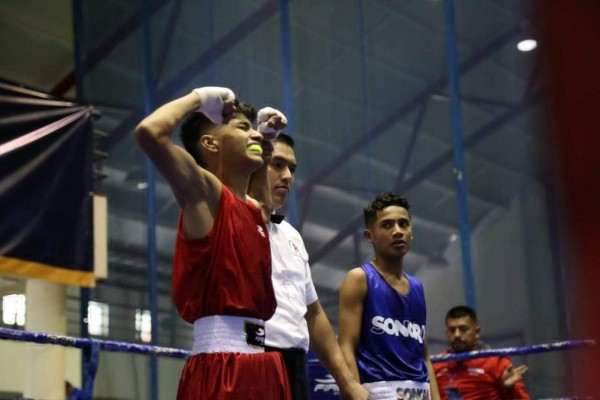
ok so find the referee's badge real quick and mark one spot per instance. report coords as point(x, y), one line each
point(294, 248)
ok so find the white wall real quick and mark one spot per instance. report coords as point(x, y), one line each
point(126, 376)
point(119, 375)
point(498, 267)
point(12, 365)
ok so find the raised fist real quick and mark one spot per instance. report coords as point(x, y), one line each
point(216, 102)
point(270, 122)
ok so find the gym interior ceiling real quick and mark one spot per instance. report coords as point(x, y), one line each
point(365, 84)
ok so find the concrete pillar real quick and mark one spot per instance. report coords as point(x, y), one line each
point(45, 363)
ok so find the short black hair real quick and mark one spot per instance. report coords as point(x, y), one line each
point(380, 202)
point(283, 138)
point(198, 124)
point(461, 312)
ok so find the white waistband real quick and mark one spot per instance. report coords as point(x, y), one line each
point(393, 390)
point(224, 334)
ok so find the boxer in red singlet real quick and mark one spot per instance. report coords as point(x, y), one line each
point(222, 265)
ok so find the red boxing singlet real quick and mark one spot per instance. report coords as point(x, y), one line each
point(228, 272)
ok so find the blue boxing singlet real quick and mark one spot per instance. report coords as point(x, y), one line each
point(391, 345)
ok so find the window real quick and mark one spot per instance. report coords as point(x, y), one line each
point(13, 309)
point(98, 318)
point(143, 325)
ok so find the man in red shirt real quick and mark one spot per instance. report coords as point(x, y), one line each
point(490, 378)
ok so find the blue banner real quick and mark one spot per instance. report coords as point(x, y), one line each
point(321, 383)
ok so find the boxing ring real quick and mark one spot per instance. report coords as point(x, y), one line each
point(94, 346)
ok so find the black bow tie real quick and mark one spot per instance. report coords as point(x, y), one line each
point(276, 218)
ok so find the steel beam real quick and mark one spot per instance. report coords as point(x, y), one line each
point(93, 59)
point(433, 88)
point(410, 148)
point(458, 150)
point(444, 158)
point(167, 38)
point(200, 63)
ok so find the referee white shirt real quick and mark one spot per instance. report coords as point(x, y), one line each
point(294, 288)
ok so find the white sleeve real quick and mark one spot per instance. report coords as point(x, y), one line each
point(311, 292)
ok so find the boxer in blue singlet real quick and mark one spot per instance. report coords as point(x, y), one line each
point(383, 313)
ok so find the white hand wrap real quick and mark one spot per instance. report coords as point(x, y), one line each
point(262, 118)
point(211, 101)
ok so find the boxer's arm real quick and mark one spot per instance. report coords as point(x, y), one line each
point(352, 297)
point(188, 181)
point(433, 386)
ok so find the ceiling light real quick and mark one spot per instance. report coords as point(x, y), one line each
point(142, 185)
point(527, 45)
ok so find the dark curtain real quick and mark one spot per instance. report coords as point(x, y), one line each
point(46, 184)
